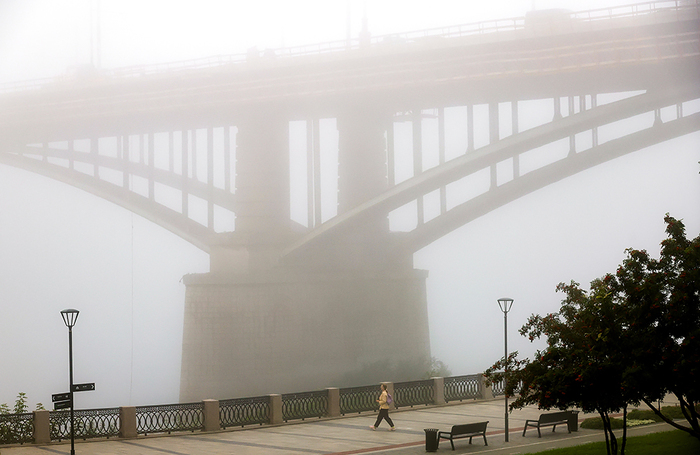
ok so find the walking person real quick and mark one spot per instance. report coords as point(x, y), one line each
point(384, 402)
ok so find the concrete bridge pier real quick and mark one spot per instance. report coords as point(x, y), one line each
point(284, 330)
point(340, 315)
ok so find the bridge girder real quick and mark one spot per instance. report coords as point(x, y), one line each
point(510, 148)
point(641, 54)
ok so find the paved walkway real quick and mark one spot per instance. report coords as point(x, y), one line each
point(349, 435)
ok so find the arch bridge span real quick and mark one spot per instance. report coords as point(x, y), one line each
point(444, 127)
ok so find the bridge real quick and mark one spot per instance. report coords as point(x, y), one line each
point(223, 153)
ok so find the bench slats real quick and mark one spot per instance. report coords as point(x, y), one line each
point(551, 419)
point(468, 430)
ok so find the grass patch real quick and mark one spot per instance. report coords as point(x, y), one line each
point(674, 442)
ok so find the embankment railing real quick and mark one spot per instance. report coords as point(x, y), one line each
point(209, 415)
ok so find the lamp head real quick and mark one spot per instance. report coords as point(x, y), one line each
point(505, 303)
point(70, 316)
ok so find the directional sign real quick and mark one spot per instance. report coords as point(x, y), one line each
point(60, 397)
point(61, 405)
point(83, 387)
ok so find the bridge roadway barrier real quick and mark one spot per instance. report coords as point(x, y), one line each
point(349, 434)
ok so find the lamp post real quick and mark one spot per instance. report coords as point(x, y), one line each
point(505, 304)
point(70, 316)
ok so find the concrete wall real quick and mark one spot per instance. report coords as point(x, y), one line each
point(278, 331)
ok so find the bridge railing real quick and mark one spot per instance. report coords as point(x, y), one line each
point(304, 405)
point(463, 387)
point(169, 418)
point(358, 399)
point(16, 428)
point(682, 8)
point(637, 9)
point(244, 411)
point(210, 415)
point(89, 423)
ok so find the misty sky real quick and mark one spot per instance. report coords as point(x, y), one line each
point(61, 247)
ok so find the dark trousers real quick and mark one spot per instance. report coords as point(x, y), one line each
point(383, 414)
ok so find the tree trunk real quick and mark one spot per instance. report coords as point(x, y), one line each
point(610, 440)
point(624, 430)
point(694, 431)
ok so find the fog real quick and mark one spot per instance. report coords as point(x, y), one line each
point(61, 247)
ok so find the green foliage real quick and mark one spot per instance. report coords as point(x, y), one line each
point(596, 423)
point(13, 427)
point(437, 369)
point(644, 414)
point(634, 336)
point(662, 299)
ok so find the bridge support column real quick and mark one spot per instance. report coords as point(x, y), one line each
point(362, 156)
point(262, 196)
point(285, 331)
point(262, 181)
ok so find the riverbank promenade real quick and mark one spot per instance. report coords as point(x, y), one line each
point(350, 434)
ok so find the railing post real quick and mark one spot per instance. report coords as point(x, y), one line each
point(390, 391)
point(276, 409)
point(333, 401)
point(438, 390)
point(127, 422)
point(42, 427)
point(211, 415)
point(486, 392)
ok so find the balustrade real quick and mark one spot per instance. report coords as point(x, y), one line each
point(126, 422)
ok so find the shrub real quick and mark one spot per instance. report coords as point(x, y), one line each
point(596, 423)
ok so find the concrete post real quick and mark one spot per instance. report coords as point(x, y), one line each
point(439, 390)
point(390, 391)
point(486, 392)
point(211, 415)
point(42, 427)
point(333, 401)
point(127, 422)
point(276, 409)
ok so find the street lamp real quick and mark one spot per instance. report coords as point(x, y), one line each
point(505, 303)
point(70, 316)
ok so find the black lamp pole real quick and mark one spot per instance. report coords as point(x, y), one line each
point(70, 316)
point(505, 304)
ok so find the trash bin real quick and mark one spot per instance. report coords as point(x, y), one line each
point(431, 439)
point(573, 421)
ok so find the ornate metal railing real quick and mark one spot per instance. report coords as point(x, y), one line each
point(498, 388)
point(305, 404)
point(463, 387)
point(171, 417)
point(97, 423)
point(358, 399)
point(16, 428)
point(414, 393)
point(244, 411)
point(89, 423)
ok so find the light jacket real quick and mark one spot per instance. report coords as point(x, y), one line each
point(382, 400)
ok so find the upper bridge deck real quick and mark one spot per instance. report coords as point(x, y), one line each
point(615, 49)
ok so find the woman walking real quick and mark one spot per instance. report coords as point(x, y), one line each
point(383, 410)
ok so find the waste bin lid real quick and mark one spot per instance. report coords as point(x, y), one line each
point(430, 429)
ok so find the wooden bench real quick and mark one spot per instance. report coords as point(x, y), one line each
point(468, 430)
point(551, 419)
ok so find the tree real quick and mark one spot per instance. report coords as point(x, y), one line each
point(582, 365)
point(662, 298)
point(635, 336)
point(438, 369)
